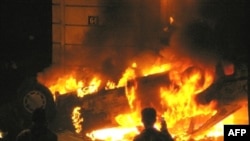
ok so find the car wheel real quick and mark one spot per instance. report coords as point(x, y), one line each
point(32, 95)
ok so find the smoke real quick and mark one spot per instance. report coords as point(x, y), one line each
point(213, 29)
point(205, 30)
point(132, 29)
point(127, 29)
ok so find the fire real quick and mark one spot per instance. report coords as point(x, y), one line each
point(77, 120)
point(118, 133)
point(92, 87)
point(65, 84)
point(129, 74)
point(217, 130)
point(69, 83)
point(177, 99)
point(156, 69)
point(178, 102)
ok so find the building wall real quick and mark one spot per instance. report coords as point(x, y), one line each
point(70, 23)
point(139, 21)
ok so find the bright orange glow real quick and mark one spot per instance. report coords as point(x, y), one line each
point(128, 120)
point(129, 74)
point(68, 83)
point(91, 87)
point(131, 95)
point(171, 20)
point(110, 85)
point(134, 65)
point(77, 119)
point(179, 98)
point(64, 84)
point(177, 103)
point(156, 69)
point(114, 134)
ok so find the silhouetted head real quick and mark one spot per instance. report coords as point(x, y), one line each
point(148, 116)
point(39, 116)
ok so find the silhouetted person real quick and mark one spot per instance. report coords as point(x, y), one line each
point(39, 130)
point(150, 133)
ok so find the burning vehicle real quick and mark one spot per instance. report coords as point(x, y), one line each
point(188, 104)
point(126, 55)
point(192, 98)
point(111, 59)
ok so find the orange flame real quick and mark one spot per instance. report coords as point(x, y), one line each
point(177, 99)
point(65, 84)
point(77, 119)
point(118, 133)
point(69, 83)
point(180, 103)
point(92, 87)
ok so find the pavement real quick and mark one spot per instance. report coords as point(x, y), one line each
point(68, 136)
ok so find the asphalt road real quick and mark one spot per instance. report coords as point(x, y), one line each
point(68, 136)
